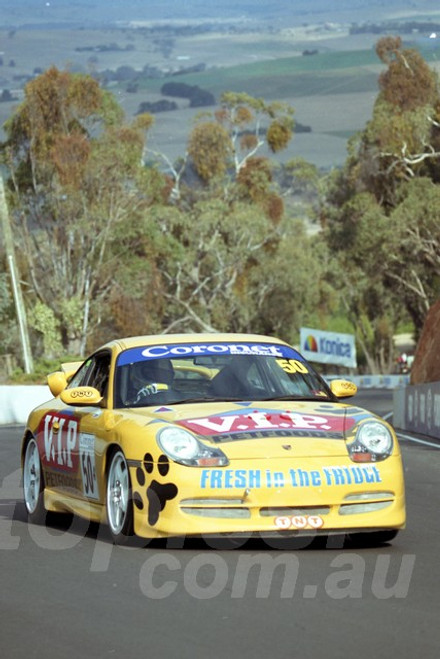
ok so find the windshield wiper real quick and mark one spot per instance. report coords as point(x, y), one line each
point(183, 401)
point(297, 397)
point(217, 399)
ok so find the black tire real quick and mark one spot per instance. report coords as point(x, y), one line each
point(373, 538)
point(33, 484)
point(118, 499)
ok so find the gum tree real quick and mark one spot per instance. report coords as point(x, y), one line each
point(78, 195)
point(241, 126)
point(380, 209)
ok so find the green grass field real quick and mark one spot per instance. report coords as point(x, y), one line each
point(321, 74)
point(326, 73)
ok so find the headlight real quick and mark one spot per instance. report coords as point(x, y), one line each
point(184, 448)
point(373, 442)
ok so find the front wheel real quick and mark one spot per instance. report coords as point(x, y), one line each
point(33, 484)
point(118, 499)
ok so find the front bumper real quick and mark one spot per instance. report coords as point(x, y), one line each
point(322, 495)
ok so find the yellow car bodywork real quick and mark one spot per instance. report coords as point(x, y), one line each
point(288, 472)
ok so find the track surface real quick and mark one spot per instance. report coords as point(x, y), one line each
point(66, 591)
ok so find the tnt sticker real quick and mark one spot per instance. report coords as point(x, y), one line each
point(283, 523)
point(299, 522)
point(315, 521)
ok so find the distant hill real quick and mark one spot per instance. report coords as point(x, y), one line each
point(28, 12)
point(255, 46)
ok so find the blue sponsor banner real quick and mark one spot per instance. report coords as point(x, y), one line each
point(182, 350)
point(328, 347)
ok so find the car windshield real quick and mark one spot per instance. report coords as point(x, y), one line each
point(183, 373)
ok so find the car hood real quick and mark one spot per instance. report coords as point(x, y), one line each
point(266, 430)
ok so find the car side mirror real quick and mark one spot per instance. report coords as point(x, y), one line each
point(343, 388)
point(81, 396)
point(57, 382)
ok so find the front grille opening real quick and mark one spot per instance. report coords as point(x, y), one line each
point(369, 496)
point(211, 501)
point(225, 513)
point(358, 508)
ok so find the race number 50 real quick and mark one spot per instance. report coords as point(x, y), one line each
point(292, 366)
point(87, 465)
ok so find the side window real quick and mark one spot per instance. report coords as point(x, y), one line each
point(100, 373)
point(80, 377)
point(93, 373)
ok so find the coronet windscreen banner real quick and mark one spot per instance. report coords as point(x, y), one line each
point(328, 347)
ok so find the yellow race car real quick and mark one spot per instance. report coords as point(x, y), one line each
point(197, 434)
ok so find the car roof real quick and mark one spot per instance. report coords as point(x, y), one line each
point(207, 337)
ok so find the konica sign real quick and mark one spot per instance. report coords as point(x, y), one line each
point(328, 347)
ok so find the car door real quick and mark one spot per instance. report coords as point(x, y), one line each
point(92, 432)
point(76, 436)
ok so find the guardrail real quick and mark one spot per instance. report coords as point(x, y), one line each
point(417, 409)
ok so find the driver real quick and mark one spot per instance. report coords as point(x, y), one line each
point(151, 377)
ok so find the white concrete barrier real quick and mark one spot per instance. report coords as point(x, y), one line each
point(16, 401)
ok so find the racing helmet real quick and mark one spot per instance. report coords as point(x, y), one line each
point(152, 371)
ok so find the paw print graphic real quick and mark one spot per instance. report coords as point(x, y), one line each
point(157, 493)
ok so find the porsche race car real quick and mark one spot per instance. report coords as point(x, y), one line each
point(210, 434)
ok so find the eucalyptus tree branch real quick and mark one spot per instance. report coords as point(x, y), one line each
point(416, 288)
point(409, 160)
point(176, 323)
point(176, 173)
point(206, 327)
